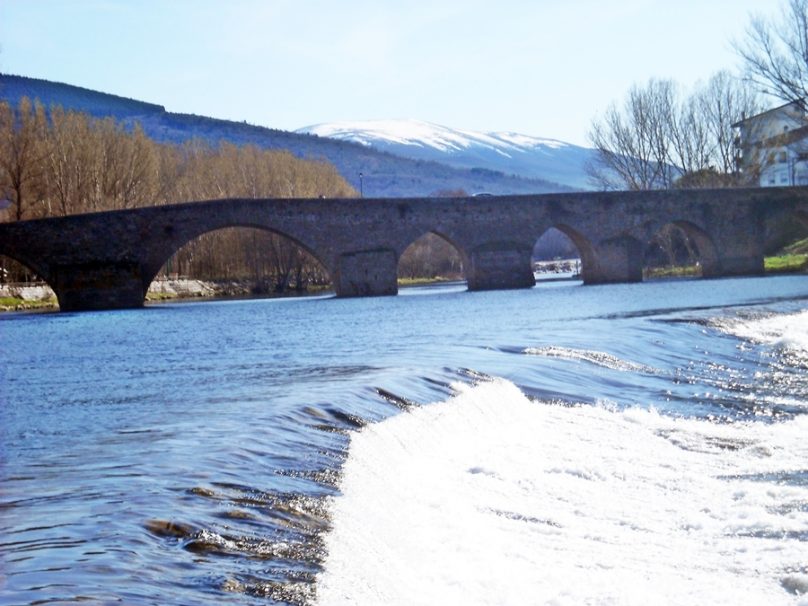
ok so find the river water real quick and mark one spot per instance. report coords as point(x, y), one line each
point(620, 444)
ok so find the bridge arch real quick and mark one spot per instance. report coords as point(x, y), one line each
point(562, 240)
point(681, 248)
point(17, 272)
point(433, 255)
point(273, 261)
point(783, 227)
point(12, 264)
point(786, 241)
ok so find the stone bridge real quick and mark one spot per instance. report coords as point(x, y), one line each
point(107, 260)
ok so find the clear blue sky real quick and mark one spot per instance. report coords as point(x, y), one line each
point(541, 67)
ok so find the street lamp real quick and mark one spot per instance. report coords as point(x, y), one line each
point(361, 186)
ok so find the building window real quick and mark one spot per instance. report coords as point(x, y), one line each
point(781, 157)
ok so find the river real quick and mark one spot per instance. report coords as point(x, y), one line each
point(616, 444)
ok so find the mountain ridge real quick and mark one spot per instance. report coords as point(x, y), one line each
point(509, 152)
point(384, 174)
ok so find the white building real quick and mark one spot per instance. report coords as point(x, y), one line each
point(773, 146)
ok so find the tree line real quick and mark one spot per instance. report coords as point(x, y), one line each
point(662, 135)
point(56, 163)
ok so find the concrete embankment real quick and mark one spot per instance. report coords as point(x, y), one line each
point(182, 289)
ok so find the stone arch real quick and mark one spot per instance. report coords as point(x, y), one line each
point(11, 268)
point(783, 227)
point(570, 237)
point(687, 250)
point(242, 236)
point(432, 255)
point(23, 262)
point(786, 242)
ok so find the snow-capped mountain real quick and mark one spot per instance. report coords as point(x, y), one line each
point(510, 153)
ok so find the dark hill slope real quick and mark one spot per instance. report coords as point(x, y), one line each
point(14, 88)
point(384, 173)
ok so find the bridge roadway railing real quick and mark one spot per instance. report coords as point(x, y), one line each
point(107, 260)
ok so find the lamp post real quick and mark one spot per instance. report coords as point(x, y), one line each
point(361, 185)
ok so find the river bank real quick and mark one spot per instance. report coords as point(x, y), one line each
point(22, 297)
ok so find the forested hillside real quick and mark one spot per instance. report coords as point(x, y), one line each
point(67, 162)
point(383, 174)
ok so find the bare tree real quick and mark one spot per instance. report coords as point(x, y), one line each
point(21, 152)
point(71, 157)
point(704, 137)
point(663, 138)
point(775, 53)
point(690, 141)
point(724, 101)
point(633, 141)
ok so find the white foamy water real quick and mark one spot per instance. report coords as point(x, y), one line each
point(786, 331)
point(594, 357)
point(490, 498)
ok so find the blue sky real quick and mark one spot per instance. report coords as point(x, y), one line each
point(542, 68)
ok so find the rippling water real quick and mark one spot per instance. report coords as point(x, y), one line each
point(624, 444)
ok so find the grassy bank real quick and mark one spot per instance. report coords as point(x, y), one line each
point(786, 263)
point(405, 282)
point(17, 304)
point(674, 271)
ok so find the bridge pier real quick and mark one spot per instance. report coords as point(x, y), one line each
point(496, 267)
point(98, 285)
point(744, 265)
point(366, 273)
point(738, 246)
point(616, 260)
